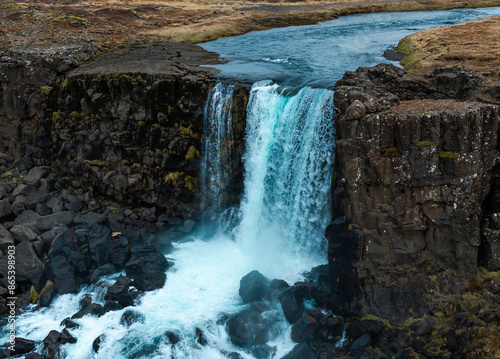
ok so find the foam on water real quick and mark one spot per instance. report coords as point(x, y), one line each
point(285, 210)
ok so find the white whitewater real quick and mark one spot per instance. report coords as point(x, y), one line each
point(284, 211)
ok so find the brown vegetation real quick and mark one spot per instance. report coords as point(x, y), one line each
point(38, 23)
point(474, 44)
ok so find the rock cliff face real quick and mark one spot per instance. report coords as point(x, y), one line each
point(128, 125)
point(417, 184)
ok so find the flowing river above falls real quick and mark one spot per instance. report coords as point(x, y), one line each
point(279, 227)
point(318, 55)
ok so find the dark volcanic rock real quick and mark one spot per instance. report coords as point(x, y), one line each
point(147, 268)
point(130, 317)
point(292, 305)
point(253, 287)
point(408, 171)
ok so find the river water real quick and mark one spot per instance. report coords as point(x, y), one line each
point(278, 228)
point(318, 55)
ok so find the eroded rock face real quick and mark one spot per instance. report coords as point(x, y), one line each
point(128, 125)
point(414, 173)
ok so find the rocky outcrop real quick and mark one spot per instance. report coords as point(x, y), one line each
point(128, 125)
point(416, 180)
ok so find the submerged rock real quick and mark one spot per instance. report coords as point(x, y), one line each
point(130, 317)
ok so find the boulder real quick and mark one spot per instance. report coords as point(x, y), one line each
point(97, 343)
point(21, 233)
point(35, 198)
point(119, 287)
point(64, 275)
point(90, 309)
point(47, 297)
point(250, 327)
point(101, 271)
point(358, 346)
point(253, 287)
point(46, 223)
point(28, 267)
point(34, 175)
point(99, 237)
point(68, 323)
point(172, 337)
point(5, 208)
point(292, 304)
point(147, 268)
point(6, 239)
point(301, 351)
point(304, 329)
point(23, 346)
point(130, 317)
point(110, 306)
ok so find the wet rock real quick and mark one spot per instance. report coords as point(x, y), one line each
point(249, 327)
point(91, 309)
point(51, 344)
point(110, 306)
point(47, 297)
point(93, 217)
point(263, 351)
point(253, 287)
point(68, 323)
point(23, 346)
point(119, 287)
point(101, 271)
point(119, 251)
point(173, 338)
point(130, 317)
point(304, 329)
point(34, 175)
point(147, 268)
point(292, 304)
point(33, 356)
point(200, 337)
point(96, 344)
point(301, 351)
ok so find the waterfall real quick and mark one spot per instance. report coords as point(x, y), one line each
point(278, 231)
point(288, 167)
point(216, 171)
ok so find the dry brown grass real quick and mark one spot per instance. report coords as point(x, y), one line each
point(474, 44)
point(49, 22)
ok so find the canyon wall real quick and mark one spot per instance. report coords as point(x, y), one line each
point(416, 188)
point(127, 125)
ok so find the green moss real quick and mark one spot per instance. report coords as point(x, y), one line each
point(56, 116)
point(191, 183)
point(407, 48)
point(390, 152)
point(173, 177)
point(46, 90)
point(192, 154)
point(188, 132)
point(156, 126)
point(64, 84)
point(142, 123)
point(450, 155)
point(424, 144)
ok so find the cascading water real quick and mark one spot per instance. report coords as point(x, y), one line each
point(217, 150)
point(285, 208)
